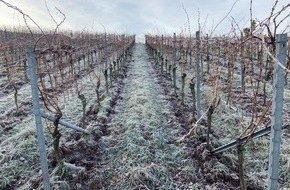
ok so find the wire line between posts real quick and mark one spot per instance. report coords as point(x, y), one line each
point(64, 123)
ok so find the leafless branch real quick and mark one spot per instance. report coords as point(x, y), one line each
point(48, 10)
point(204, 24)
point(25, 17)
point(193, 128)
point(234, 21)
point(188, 22)
point(223, 18)
point(272, 56)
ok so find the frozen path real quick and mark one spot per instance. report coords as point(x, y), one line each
point(138, 153)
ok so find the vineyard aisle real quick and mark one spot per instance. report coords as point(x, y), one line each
point(139, 152)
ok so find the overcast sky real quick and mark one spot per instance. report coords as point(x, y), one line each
point(137, 16)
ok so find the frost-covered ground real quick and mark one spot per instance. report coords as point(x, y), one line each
point(139, 149)
point(134, 142)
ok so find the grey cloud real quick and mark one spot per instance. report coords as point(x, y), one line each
point(140, 16)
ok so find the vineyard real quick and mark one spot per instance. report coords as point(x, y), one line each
point(84, 110)
point(78, 68)
point(235, 82)
point(139, 117)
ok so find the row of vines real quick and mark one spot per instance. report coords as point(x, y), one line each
point(68, 65)
point(226, 78)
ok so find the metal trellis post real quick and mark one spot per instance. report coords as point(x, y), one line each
point(38, 122)
point(106, 63)
point(175, 60)
point(198, 108)
point(276, 125)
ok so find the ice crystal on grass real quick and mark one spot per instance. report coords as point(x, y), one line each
point(144, 153)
